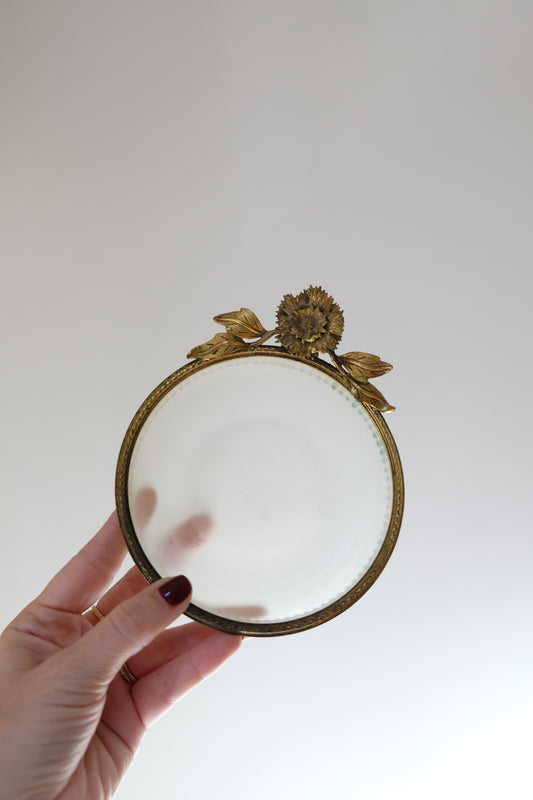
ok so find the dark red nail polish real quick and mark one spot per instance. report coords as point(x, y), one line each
point(176, 590)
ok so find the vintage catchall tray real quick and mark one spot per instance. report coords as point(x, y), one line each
point(265, 473)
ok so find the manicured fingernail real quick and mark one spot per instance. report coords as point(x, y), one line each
point(176, 590)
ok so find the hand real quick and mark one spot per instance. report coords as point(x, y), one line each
point(69, 722)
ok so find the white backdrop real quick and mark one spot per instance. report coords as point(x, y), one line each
point(163, 162)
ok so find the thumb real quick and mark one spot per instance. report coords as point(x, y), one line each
point(128, 628)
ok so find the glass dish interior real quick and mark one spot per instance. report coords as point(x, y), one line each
point(266, 483)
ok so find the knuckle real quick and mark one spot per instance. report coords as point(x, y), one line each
point(127, 625)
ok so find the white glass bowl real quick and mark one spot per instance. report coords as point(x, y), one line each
point(261, 478)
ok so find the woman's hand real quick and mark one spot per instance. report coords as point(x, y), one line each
point(69, 722)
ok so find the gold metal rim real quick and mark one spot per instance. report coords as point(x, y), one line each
point(234, 626)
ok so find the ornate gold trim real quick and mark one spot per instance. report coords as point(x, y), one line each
point(199, 614)
point(308, 324)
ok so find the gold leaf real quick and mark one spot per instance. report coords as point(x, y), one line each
point(242, 323)
point(363, 366)
point(371, 396)
point(221, 344)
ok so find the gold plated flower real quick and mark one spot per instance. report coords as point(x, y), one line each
point(310, 323)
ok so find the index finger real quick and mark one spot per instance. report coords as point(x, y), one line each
point(86, 576)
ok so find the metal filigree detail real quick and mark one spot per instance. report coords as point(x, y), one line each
point(308, 324)
point(240, 325)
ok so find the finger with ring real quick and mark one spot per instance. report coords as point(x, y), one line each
point(127, 674)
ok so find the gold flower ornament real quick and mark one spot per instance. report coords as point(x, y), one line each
point(308, 324)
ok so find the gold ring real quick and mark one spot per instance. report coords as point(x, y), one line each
point(96, 611)
point(128, 675)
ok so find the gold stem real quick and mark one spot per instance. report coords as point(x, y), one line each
point(341, 369)
point(267, 335)
point(337, 362)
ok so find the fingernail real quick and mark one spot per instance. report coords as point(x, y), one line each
point(176, 590)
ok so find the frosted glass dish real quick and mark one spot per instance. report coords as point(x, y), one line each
point(263, 479)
